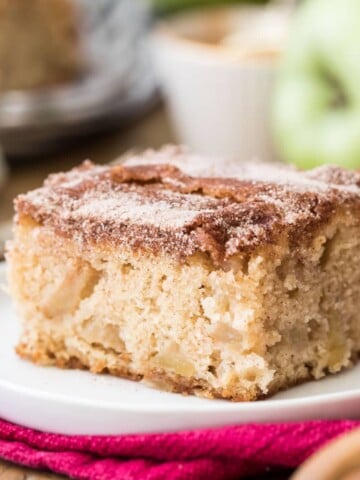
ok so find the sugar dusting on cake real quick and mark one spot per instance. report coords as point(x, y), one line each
point(318, 180)
point(177, 203)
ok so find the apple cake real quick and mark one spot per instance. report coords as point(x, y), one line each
point(39, 43)
point(195, 276)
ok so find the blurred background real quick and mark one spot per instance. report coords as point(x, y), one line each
point(248, 79)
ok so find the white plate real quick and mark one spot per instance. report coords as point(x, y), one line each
point(78, 402)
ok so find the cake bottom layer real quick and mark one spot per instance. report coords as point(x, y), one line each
point(264, 322)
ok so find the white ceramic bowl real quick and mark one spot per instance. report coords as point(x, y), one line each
point(219, 94)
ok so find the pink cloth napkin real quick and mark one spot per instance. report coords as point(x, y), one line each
point(225, 453)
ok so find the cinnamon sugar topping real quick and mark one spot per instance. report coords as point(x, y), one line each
point(176, 203)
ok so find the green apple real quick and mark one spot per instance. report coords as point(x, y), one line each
point(166, 6)
point(316, 115)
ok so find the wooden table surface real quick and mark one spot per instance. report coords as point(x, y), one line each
point(13, 472)
point(152, 131)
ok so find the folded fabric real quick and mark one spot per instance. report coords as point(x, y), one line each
point(218, 454)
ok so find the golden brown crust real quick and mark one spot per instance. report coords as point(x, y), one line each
point(159, 378)
point(152, 204)
point(155, 377)
point(45, 357)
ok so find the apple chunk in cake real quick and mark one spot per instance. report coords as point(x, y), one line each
point(222, 280)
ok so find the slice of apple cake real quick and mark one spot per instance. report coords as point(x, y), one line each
point(218, 279)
